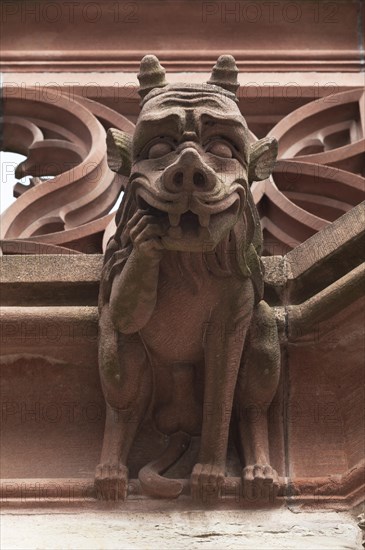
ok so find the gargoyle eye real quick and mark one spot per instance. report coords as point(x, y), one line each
point(220, 149)
point(159, 149)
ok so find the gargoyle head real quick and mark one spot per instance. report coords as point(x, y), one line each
point(191, 161)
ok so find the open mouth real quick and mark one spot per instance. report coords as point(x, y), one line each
point(184, 220)
point(191, 224)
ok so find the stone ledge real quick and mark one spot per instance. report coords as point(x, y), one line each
point(51, 268)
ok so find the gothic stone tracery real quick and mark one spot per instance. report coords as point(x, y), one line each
point(309, 218)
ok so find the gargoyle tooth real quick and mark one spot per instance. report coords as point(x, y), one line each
point(204, 219)
point(175, 232)
point(174, 218)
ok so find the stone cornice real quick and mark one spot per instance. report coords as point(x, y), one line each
point(114, 36)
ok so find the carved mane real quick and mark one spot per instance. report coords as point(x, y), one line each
point(238, 254)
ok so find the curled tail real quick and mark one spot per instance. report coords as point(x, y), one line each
point(150, 476)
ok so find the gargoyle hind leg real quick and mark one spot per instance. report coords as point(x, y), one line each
point(222, 362)
point(256, 387)
point(126, 381)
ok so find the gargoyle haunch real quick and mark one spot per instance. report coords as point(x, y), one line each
point(184, 260)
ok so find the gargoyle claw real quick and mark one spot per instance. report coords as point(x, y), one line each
point(206, 482)
point(111, 481)
point(260, 482)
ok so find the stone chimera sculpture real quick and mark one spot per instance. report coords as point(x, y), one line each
point(183, 327)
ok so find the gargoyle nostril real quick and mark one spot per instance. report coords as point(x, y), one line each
point(199, 179)
point(178, 179)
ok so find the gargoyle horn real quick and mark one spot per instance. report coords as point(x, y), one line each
point(224, 73)
point(151, 75)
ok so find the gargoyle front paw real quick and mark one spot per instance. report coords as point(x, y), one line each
point(206, 482)
point(111, 481)
point(259, 482)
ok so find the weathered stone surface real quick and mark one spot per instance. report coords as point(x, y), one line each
point(314, 38)
point(50, 268)
point(48, 342)
point(185, 337)
point(50, 279)
point(140, 528)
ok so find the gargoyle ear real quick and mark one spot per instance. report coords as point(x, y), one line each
point(224, 74)
point(151, 75)
point(119, 151)
point(262, 157)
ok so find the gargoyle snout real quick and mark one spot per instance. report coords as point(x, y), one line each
point(189, 174)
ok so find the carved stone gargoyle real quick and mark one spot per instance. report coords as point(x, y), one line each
point(184, 331)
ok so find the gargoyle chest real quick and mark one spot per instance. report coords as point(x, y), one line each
point(188, 310)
